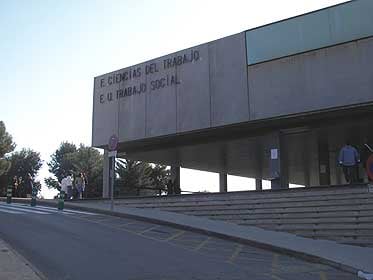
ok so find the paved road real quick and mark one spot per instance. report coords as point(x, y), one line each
point(82, 245)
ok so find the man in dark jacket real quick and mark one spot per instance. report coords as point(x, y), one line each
point(349, 158)
point(29, 184)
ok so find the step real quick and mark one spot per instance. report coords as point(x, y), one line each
point(368, 227)
point(239, 216)
point(248, 201)
point(339, 220)
point(266, 194)
point(337, 211)
point(242, 210)
point(337, 235)
point(345, 203)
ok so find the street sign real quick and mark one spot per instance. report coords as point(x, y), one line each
point(113, 143)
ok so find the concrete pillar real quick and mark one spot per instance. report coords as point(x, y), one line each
point(307, 159)
point(223, 182)
point(259, 165)
point(284, 162)
point(324, 164)
point(105, 181)
point(175, 177)
point(278, 162)
point(258, 184)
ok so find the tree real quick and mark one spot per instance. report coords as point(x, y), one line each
point(139, 178)
point(89, 161)
point(24, 162)
point(60, 163)
point(6, 146)
point(68, 158)
point(159, 175)
point(52, 183)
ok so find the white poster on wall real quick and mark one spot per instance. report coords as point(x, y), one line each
point(274, 153)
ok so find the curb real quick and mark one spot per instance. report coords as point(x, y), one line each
point(258, 244)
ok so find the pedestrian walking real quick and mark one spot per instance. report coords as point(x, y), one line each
point(349, 159)
point(69, 180)
point(75, 188)
point(85, 185)
point(79, 182)
point(64, 186)
point(176, 184)
point(21, 187)
point(29, 182)
point(15, 187)
point(170, 187)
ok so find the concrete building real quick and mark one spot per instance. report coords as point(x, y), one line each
point(275, 102)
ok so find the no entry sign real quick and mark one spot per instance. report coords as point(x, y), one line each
point(113, 143)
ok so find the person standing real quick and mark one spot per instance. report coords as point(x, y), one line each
point(85, 183)
point(170, 187)
point(349, 158)
point(69, 182)
point(21, 187)
point(15, 187)
point(79, 181)
point(29, 184)
point(64, 186)
point(176, 185)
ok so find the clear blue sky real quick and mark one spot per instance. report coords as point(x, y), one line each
point(51, 50)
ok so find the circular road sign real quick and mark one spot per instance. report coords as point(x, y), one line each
point(370, 167)
point(113, 142)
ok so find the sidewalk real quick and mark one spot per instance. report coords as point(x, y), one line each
point(13, 266)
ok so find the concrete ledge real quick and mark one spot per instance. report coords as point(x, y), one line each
point(345, 257)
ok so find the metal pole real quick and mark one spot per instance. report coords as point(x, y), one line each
point(112, 178)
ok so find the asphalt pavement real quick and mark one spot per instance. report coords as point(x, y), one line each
point(82, 245)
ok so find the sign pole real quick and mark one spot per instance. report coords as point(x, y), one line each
point(112, 147)
point(112, 178)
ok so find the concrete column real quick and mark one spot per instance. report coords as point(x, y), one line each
point(258, 184)
point(223, 182)
point(175, 177)
point(259, 165)
point(105, 181)
point(278, 162)
point(284, 163)
point(223, 178)
point(324, 164)
point(307, 159)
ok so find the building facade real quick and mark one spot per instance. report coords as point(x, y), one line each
point(274, 102)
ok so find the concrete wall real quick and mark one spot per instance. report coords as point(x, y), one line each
point(105, 114)
point(207, 91)
point(336, 76)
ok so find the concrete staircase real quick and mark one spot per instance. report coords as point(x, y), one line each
point(341, 213)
